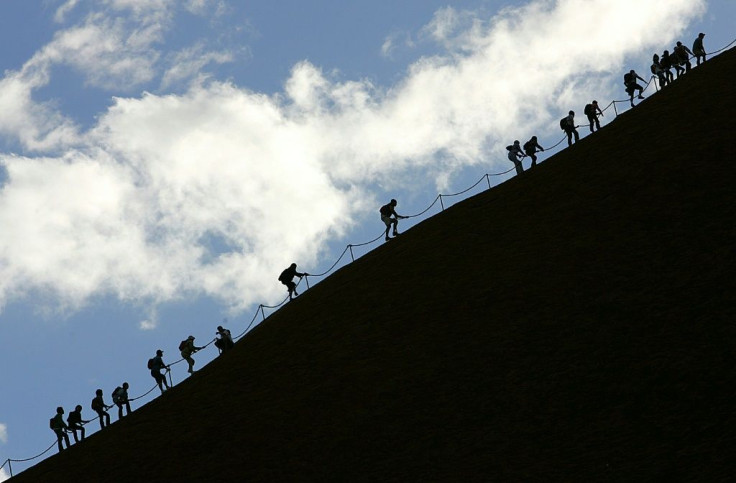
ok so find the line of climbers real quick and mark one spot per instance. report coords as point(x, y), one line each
point(679, 60)
point(660, 67)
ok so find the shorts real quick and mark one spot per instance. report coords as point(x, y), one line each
point(387, 220)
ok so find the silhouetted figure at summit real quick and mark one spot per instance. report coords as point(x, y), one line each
point(515, 155)
point(698, 49)
point(98, 405)
point(225, 341)
point(591, 111)
point(287, 278)
point(682, 54)
point(59, 427)
point(156, 365)
point(631, 85)
point(530, 149)
point(76, 423)
point(390, 218)
point(657, 70)
point(567, 124)
point(120, 399)
point(188, 348)
point(666, 62)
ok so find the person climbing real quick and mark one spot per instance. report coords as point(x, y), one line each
point(591, 111)
point(99, 406)
point(530, 149)
point(698, 49)
point(76, 423)
point(225, 341)
point(515, 155)
point(59, 427)
point(666, 62)
point(631, 85)
point(567, 124)
point(156, 364)
point(120, 399)
point(188, 348)
point(657, 70)
point(287, 278)
point(390, 218)
point(682, 54)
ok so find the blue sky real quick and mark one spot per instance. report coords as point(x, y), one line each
point(161, 161)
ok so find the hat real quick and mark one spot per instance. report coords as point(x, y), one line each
point(191, 337)
point(159, 352)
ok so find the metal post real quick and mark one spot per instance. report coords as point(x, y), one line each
point(350, 247)
point(263, 313)
point(488, 179)
point(614, 108)
point(306, 279)
point(10, 468)
point(171, 382)
point(441, 204)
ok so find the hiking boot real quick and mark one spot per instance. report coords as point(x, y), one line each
point(641, 97)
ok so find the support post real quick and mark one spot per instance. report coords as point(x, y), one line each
point(350, 247)
point(441, 203)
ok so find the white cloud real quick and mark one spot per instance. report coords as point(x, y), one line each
point(214, 190)
point(3, 433)
point(190, 62)
point(61, 12)
point(4, 475)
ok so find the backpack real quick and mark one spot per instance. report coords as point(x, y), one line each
point(627, 78)
point(51, 423)
point(182, 345)
point(563, 124)
point(283, 277)
point(151, 362)
point(528, 146)
point(588, 109)
point(95, 405)
point(116, 394)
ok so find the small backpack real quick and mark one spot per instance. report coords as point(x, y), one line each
point(385, 211)
point(95, 405)
point(151, 362)
point(182, 345)
point(509, 148)
point(627, 78)
point(563, 124)
point(116, 394)
point(588, 110)
point(528, 146)
point(51, 423)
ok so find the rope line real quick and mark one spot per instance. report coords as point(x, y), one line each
point(348, 247)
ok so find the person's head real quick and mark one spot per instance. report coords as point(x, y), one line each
point(78, 408)
point(572, 113)
point(655, 57)
point(595, 103)
point(98, 392)
point(516, 142)
point(679, 43)
point(125, 385)
point(159, 352)
point(393, 202)
point(219, 328)
point(632, 71)
point(701, 35)
point(60, 410)
point(665, 53)
point(293, 265)
point(534, 138)
point(191, 337)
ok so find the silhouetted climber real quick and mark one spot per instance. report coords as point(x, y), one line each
point(631, 85)
point(698, 49)
point(225, 341)
point(188, 348)
point(682, 54)
point(99, 406)
point(75, 423)
point(567, 124)
point(657, 70)
point(120, 398)
point(666, 62)
point(156, 364)
point(591, 111)
point(390, 218)
point(515, 156)
point(531, 147)
point(59, 427)
point(287, 278)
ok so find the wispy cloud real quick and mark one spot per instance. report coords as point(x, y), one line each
point(211, 191)
point(3, 433)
